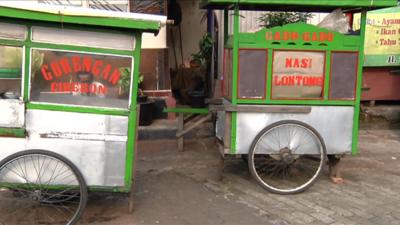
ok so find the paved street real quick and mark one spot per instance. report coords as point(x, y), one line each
point(182, 188)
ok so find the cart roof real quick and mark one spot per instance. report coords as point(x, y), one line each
point(299, 5)
point(80, 16)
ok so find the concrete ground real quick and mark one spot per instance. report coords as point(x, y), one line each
point(181, 188)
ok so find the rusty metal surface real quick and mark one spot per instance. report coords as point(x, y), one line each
point(380, 84)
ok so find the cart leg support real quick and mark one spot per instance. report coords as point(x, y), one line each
point(131, 201)
point(186, 125)
point(335, 168)
point(221, 160)
point(221, 168)
point(180, 129)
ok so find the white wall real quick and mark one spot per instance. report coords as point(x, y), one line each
point(317, 17)
point(192, 31)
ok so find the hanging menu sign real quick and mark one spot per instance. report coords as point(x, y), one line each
point(298, 74)
point(382, 37)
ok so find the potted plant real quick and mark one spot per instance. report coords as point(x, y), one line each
point(203, 56)
point(125, 84)
point(146, 105)
point(202, 61)
point(196, 61)
point(141, 97)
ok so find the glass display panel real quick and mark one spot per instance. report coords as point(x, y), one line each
point(106, 39)
point(252, 73)
point(83, 79)
point(298, 75)
point(343, 75)
point(12, 31)
point(10, 72)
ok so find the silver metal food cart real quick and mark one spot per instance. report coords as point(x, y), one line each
point(68, 89)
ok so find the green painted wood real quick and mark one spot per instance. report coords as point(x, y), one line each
point(233, 132)
point(309, 37)
point(318, 41)
point(235, 71)
point(11, 42)
point(133, 115)
point(356, 118)
point(235, 56)
point(300, 47)
point(27, 69)
point(187, 110)
point(109, 189)
point(300, 5)
point(12, 132)
point(63, 187)
point(327, 75)
point(10, 73)
point(129, 24)
point(78, 109)
point(300, 102)
point(269, 75)
point(249, 100)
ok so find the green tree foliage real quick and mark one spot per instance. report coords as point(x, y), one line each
point(205, 49)
point(273, 19)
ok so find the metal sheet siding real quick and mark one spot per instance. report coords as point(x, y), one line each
point(12, 113)
point(101, 163)
point(334, 124)
point(96, 144)
point(54, 122)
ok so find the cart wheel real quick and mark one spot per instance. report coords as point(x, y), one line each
point(40, 187)
point(286, 157)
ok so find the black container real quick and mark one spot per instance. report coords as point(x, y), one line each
point(197, 99)
point(146, 113)
point(159, 106)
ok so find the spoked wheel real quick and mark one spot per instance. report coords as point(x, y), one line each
point(286, 157)
point(40, 187)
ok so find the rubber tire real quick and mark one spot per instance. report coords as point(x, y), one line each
point(261, 133)
point(75, 170)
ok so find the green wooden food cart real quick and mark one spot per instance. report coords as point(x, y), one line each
point(291, 94)
point(68, 89)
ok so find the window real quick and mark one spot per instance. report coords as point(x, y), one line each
point(83, 79)
point(343, 75)
point(298, 74)
point(10, 72)
point(252, 73)
point(12, 31)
